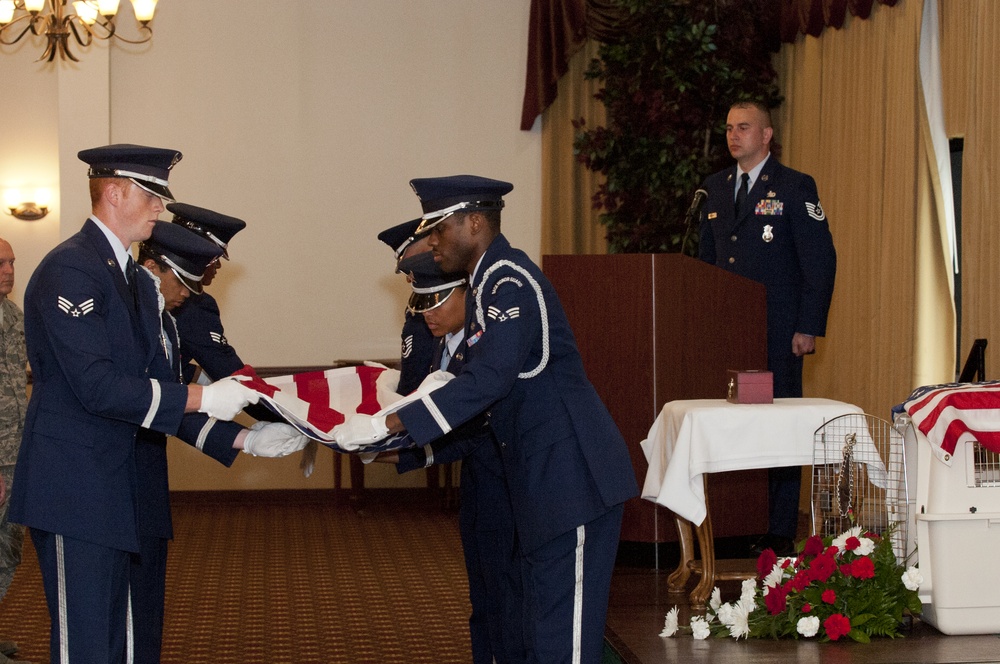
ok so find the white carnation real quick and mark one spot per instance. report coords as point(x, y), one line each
point(699, 628)
point(912, 578)
point(749, 590)
point(725, 614)
point(808, 626)
point(866, 548)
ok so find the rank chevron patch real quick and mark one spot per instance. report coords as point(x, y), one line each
point(815, 211)
point(219, 338)
point(75, 310)
point(500, 316)
point(407, 346)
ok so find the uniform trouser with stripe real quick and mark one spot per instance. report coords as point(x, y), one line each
point(566, 584)
point(147, 585)
point(86, 588)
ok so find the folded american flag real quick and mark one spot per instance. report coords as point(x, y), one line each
point(315, 402)
point(956, 413)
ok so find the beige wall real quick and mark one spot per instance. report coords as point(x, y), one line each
point(308, 123)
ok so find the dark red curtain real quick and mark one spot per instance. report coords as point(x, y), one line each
point(560, 27)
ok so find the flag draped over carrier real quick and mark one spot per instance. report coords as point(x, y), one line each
point(955, 413)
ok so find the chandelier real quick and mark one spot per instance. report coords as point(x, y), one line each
point(93, 19)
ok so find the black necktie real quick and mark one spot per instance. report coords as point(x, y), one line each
point(133, 278)
point(741, 195)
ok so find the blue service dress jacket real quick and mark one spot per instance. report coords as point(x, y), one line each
point(564, 459)
point(416, 353)
point(203, 339)
point(212, 437)
point(92, 355)
point(781, 240)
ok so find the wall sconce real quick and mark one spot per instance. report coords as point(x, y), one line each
point(32, 210)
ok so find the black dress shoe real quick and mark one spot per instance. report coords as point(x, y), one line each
point(782, 546)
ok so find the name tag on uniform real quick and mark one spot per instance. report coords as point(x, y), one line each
point(769, 207)
point(713, 215)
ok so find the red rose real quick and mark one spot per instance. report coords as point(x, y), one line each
point(852, 543)
point(846, 570)
point(829, 596)
point(831, 550)
point(766, 563)
point(814, 546)
point(837, 626)
point(863, 568)
point(774, 600)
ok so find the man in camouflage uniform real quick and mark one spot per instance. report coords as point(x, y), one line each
point(13, 403)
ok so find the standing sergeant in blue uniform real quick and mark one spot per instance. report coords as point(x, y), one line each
point(566, 465)
point(176, 259)
point(92, 330)
point(485, 521)
point(417, 343)
point(764, 221)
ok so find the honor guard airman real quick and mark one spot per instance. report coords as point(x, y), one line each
point(566, 466)
point(416, 341)
point(92, 328)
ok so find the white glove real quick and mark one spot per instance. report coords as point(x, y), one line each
point(359, 431)
point(433, 381)
point(374, 365)
point(224, 398)
point(273, 439)
point(385, 387)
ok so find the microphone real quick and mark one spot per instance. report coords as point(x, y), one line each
point(696, 203)
point(692, 213)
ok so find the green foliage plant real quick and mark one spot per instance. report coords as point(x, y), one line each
point(668, 81)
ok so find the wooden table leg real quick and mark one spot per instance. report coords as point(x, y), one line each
point(705, 568)
point(679, 577)
point(706, 547)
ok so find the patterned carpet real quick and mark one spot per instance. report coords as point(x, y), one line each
point(304, 580)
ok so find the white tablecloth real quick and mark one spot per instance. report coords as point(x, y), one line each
point(693, 437)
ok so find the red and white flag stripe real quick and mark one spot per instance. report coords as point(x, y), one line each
point(952, 414)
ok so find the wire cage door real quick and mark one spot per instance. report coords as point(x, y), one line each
point(859, 479)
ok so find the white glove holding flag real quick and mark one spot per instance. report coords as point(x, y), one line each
point(273, 439)
point(225, 398)
point(433, 382)
point(360, 430)
point(385, 387)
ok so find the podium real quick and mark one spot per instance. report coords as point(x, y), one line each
point(653, 328)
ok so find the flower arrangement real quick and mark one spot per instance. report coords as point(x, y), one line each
point(849, 586)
